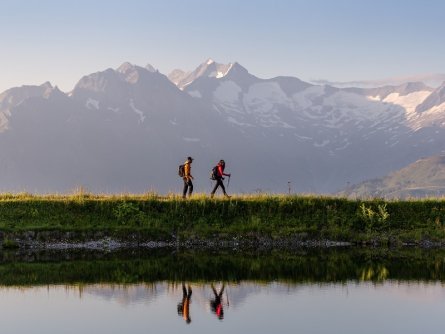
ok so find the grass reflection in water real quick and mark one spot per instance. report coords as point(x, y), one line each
point(147, 266)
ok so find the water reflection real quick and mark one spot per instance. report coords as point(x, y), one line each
point(397, 307)
point(167, 291)
point(301, 265)
point(184, 305)
point(216, 302)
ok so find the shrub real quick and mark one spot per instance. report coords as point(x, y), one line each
point(374, 218)
point(127, 213)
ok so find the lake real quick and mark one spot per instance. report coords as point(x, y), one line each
point(346, 290)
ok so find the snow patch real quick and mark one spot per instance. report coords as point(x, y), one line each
point(302, 138)
point(185, 85)
point(263, 102)
point(113, 109)
point(220, 74)
point(434, 116)
point(92, 104)
point(3, 122)
point(137, 111)
point(227, 92)
point(374, 98)
point(409, 102)
point(304, 98)
point(267, 92)
point(235, 122)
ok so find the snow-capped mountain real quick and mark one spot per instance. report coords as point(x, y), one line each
point(435, 102)
point(337, 135)
point(127, 129)
point(208, 69)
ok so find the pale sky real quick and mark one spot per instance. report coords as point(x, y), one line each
point(339, 40)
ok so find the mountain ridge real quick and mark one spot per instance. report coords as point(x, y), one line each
point(422, 178)
point(120, 126)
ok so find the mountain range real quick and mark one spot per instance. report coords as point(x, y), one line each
point(127, 129)
point(430, 79)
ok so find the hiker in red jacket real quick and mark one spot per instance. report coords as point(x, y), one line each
point(216, 303)
point(218, 176)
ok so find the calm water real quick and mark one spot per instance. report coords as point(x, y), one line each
point(347, 291)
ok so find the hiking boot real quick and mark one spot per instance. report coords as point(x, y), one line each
point(212, 195)
point(227, 196)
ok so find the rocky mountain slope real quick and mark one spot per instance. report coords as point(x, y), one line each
point(127, 129)
point(423, 178)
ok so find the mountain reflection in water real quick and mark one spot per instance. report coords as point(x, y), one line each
point(167, 291)
point(244, 307)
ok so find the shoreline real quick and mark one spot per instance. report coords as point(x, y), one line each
point(58, 241)
point(115, 221)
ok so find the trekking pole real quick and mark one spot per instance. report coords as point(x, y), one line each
point(228, 183)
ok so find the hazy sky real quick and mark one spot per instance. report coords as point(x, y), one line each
point(341, 40)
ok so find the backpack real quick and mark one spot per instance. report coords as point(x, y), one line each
point(181, 171)
point(214, 173)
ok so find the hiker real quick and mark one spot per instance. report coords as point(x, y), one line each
point(184, 305)
point(218, 175)
point(188, 185)
point(216, 303)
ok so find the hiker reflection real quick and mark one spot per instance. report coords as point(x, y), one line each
point(216, 303)
point(184, 306)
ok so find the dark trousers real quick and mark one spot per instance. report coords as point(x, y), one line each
point(188, 186)
point(219, 183)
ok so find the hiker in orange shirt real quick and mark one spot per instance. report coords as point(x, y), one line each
point(188, 185)
point(184, 306)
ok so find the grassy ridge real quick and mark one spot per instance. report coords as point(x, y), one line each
point(271, 216)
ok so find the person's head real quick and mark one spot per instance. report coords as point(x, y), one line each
point(190, 159)
point(222, 162)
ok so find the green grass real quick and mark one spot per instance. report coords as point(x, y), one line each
point(249, 216)
point(303, 266)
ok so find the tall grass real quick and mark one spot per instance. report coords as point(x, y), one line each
point(272, 216)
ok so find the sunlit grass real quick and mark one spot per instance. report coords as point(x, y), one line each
point(259, 214)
